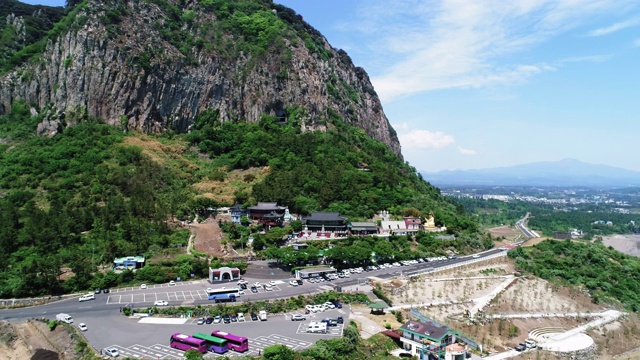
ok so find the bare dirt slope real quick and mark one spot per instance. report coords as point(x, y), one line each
point(509, 233)
point(33, 340)
point(209, 238)
point(628, 244)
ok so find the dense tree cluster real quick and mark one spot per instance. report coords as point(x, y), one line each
point(605, 272)
point(77, 200)
point(359, 251)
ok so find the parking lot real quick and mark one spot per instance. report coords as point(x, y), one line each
point(173, 294)
point(261, 334)
point(159, 351)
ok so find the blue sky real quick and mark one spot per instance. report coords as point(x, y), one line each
point(473, 84)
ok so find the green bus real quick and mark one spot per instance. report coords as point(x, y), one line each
point(214, 344)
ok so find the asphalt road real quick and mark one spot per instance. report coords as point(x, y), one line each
point(192, 292)
point(107, 327)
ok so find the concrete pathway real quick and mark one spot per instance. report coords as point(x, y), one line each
point(483, 301)
point(550, 315)
point(571, 340)
point(368, 326)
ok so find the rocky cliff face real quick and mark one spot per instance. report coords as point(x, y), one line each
point(154, 65)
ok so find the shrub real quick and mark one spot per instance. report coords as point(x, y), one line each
point(53, 324)
point(381, 295)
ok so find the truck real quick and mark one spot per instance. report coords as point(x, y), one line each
point(262, 315)
point(64, 318)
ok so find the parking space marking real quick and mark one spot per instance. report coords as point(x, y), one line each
point(160, 351)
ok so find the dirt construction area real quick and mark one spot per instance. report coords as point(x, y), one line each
point(489, 290)
point(34, 340)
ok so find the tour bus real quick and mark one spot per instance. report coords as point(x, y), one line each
point(235, 343)
point(214, 344)
point(224, 295)
point(186, 342)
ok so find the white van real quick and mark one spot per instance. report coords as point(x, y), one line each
point(530, 344)
point(87, 297)
point(317, 327)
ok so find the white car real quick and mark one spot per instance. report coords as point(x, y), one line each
point(268, 287)
point(172, 283)
point(476, 256)
point(245, 282)
point(113, 352)
point(298, 317)
point(257, 284)
point(160, 303)
point(329, 305)
point(241, 317)
point(83, 327)
point(293, 283)
point(143, 286)
point(311, 308)
point(209, 290)
point(272, 283)
point(217, 319)
point(87, 297)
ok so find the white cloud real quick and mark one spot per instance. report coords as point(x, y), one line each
point(464, 151)
point(401, 126)
point(615, 27)
point(443, 44)
point(587, 58)
point(425, 139)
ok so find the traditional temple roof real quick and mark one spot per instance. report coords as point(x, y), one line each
point(325, 216)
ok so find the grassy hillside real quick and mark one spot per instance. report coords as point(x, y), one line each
point(607, 274)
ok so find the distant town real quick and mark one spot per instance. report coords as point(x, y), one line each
point(624, 201)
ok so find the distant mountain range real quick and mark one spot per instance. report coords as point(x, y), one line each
point(567, 172)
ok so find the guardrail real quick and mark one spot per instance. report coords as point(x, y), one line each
point(458, 264)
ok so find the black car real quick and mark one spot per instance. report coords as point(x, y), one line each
point(299, 281)
point(254, 289)
point(340, 320)
point(209, 320)
point(106, 291)
point(243, 286)
point(234, 318)
point(337, 304)
point(254, 317)
point(226, 319)
point(330, 322)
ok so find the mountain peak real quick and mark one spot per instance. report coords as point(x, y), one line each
point(565, 172)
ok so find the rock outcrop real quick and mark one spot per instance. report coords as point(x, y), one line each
point(155, 65)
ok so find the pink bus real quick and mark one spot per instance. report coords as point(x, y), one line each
point(186, 342)
point(235, 343)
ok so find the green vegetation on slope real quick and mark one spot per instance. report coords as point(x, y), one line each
point(339, 170)
point(78, 199)
point(36, 21)
point(605, 272)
